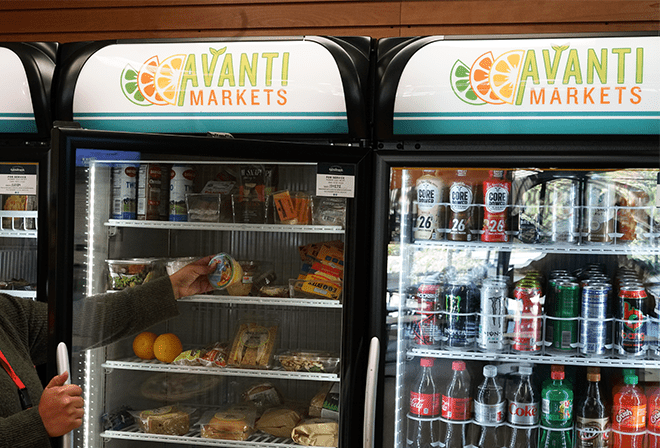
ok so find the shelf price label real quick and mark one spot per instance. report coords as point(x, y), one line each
point(18, 179)
point(335, 180)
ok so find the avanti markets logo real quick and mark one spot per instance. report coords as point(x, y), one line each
point(213, 78)
point(559, 75)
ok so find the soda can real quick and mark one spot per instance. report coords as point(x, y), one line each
point(631, 321)
point(599, 212)
point(181, 184)
point(567, 306)
point(425, 327)
point(430, 220)
point(124, 190)
point(459, 310)
point(595, 329)
point(492, 317)
point(527, 316)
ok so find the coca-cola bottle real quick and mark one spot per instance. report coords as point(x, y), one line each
point(523, 412)
point(457, 406)
point(424, 409)
point(489, 409)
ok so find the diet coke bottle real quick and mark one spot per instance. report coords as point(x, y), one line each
point(424, 409)
point(523, 412)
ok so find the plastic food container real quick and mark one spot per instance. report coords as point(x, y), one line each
point(174, 264)
point(308, 361)
point(204, 207)
point(128, 273)
point(227, 272)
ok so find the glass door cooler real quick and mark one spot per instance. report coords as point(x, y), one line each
point(272, 359)
point(519, 290)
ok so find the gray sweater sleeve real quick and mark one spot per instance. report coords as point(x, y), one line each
point(105, 318)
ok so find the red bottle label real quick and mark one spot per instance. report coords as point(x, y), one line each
point(654, 419)
point(456, 408)
point(629, 418)
point(424, 405)
point(496, 199)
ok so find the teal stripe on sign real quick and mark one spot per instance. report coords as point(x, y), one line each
point(196, 125)
point(12, 126)
point(646, 123)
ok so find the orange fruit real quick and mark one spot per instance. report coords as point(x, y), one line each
point(167, 347)
point(146, 84)
point(167, 77)
point(504, 75)
point(480, 79)
point(143, 345)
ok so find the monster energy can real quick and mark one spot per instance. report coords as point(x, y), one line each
point(492, 316)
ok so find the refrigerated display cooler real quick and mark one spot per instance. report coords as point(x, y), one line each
point(288, 204)
point(502, 164)
point(25, 122)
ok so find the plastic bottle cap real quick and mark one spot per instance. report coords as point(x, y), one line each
point(458, 365)
point(557, 373)
point(426, 362)
point(490, 371)
point(593, 374)
point(630, 379)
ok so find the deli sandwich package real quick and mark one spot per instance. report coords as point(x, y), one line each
point(254, 344)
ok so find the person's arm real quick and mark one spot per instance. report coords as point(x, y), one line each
point(23, 429)
point(106, 318)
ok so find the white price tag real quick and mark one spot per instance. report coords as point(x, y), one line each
point(335, 180)
point(18, 179)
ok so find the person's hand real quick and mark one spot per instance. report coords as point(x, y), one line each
point(61, 406)
point(192, 278)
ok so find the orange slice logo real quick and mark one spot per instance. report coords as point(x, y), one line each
point(146, 82)
point(168, 76)
point(480, 79)
point(503, 76)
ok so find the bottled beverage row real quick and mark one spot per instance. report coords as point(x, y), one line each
point(584, 312)
point(531, 207)
point(532, 408)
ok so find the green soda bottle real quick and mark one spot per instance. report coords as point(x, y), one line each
point(556, 411)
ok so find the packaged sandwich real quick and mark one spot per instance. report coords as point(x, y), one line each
point(253, 346)
point(279, 421)
point(172, 420)
point(316, 432)
point(228, 424)
point(316, 405)
point(263, 396)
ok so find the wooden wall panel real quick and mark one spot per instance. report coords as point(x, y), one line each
point(66, 21)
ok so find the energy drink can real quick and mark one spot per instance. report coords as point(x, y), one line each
point(492, 316)
point(631, 321)
point(460, 306)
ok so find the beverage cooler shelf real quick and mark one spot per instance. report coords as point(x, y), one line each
point(194, 438)
point(537, 359)
point(558, 248)
point(157, 366)
point(23, 224)
point(184, 225)
point(268, 301)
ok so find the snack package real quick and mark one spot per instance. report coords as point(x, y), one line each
point(329, 211)
point(307, 361)
point(279, 421)
point(316, 405)
point(246, 283)
point(215, 356)
point(228, 424)
point(316, 432)
point(262, 396)
point(172, 420)
point(253, 345)
point(189, 358)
